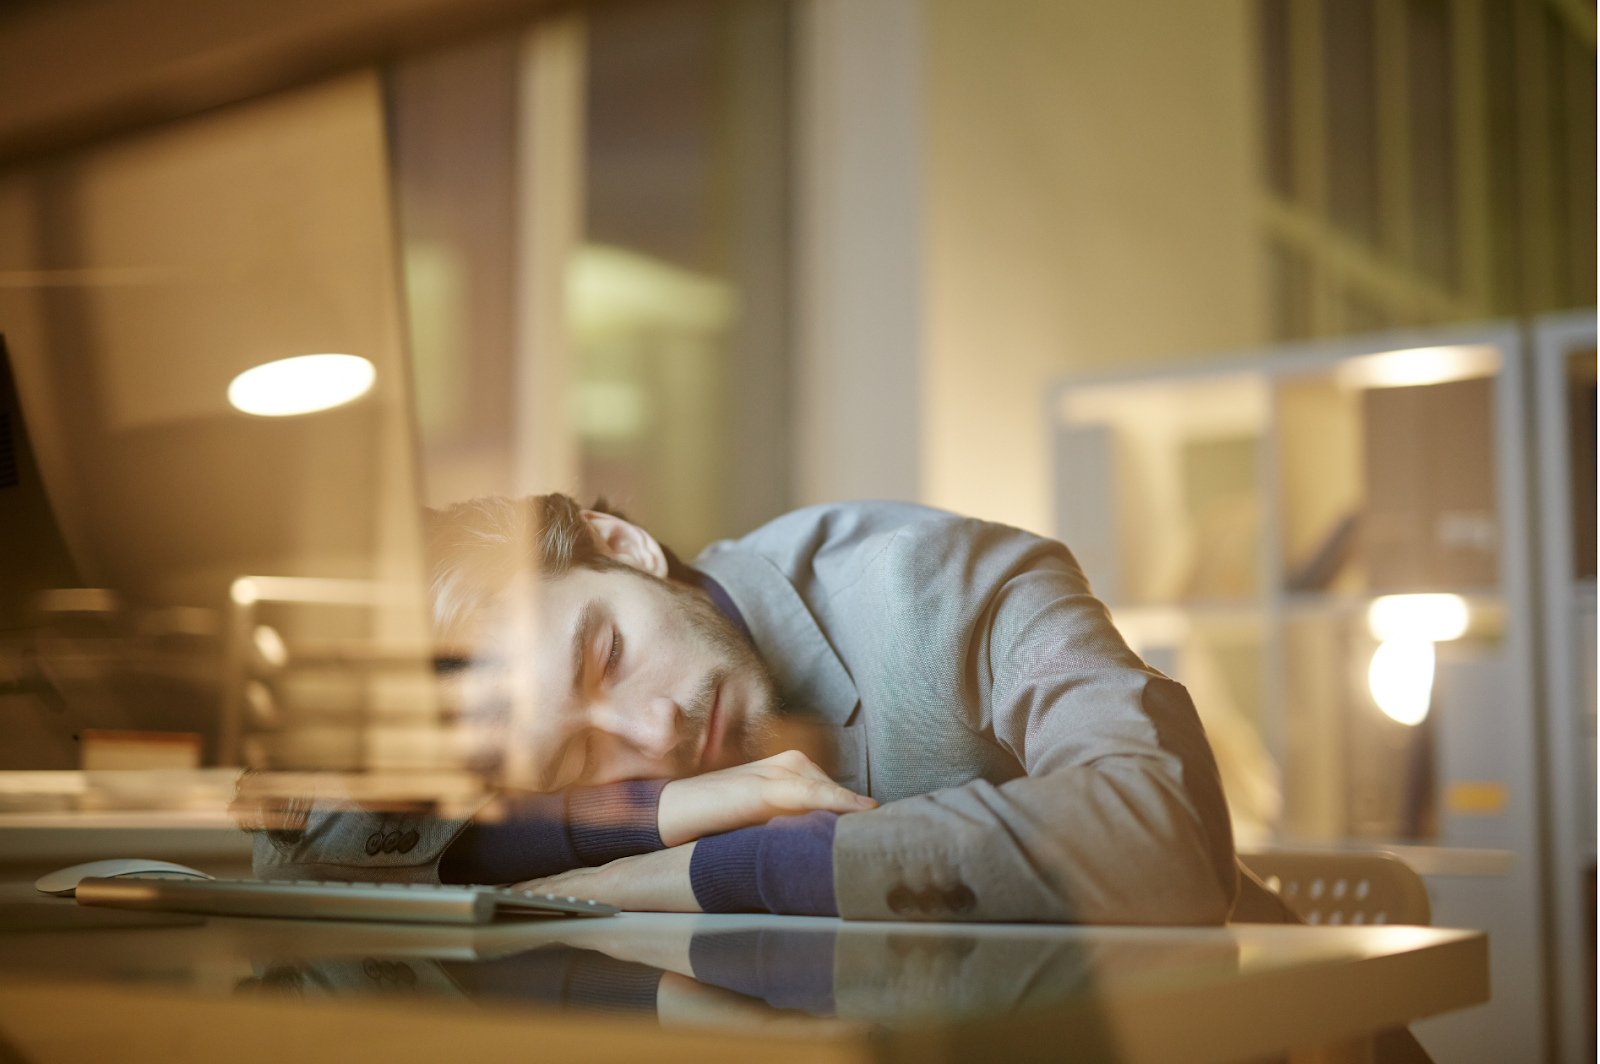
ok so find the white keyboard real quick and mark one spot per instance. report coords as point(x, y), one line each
point(424, 903)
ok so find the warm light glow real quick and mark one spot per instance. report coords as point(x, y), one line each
point(269, 644)
point(301, 385)
point(1421, 365)
point(1433, 618)
point(244, 591)
point(1401, 679)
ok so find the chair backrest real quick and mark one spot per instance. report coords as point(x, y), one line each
point(1327, 887)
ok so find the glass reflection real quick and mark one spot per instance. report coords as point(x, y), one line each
point(750, 976)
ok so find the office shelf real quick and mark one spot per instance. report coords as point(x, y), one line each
point(1240, 516)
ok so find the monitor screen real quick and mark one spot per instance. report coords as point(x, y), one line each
point(211, 520)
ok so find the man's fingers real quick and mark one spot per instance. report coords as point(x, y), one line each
point(816, 794)
point(795, 761)
point(784, 783)
point(547, 885)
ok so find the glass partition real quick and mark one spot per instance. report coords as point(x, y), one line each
point(241, 351)
point(213, 404)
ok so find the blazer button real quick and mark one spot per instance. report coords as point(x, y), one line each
point(930, 901)
point(391, 842)
point(901, 900)
point(409, 840)
point(960, 899)
point(374, 843)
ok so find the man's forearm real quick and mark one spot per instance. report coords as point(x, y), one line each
point(530, 835)
point(650, 882)
point(1117, 842)
point(783, 866)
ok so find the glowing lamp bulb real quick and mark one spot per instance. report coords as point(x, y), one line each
point(1434, 618)
point(1401, 679)
point(301, 385)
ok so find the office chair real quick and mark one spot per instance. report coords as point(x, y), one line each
point(1324, 887)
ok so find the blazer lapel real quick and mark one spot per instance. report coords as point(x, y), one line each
point(808, 672)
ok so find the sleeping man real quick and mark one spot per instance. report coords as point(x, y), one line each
point(871, 710)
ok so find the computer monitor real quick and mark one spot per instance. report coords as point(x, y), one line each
point(142, 281)
point(37, 556)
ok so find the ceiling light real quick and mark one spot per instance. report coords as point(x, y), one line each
point(301, 385)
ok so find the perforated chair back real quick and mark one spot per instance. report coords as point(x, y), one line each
point(1344, 888)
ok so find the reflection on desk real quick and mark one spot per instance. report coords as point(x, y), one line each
point(754, 975)
point(708, 984)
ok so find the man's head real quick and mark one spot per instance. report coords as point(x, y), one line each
point(588, 656)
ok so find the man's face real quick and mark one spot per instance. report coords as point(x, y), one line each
point(626, 676)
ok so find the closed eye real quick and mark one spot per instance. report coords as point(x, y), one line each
point(616, 652)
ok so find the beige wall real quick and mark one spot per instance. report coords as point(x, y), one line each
point(861, 251)
point(1091, 198)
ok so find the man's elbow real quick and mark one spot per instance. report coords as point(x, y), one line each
point(1200, 905)
point(1167, 866)
point(1178, 902)
point(1175, 885)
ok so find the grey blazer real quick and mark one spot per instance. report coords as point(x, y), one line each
point(1031, 767)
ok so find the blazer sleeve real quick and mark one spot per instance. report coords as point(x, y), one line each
point(1120, 818)
point(532, 835)
point(342, 841)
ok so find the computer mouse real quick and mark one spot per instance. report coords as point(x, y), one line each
point(64, 883)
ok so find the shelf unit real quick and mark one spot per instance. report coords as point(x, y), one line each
point(1239, 516)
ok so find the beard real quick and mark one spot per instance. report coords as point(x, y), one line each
point(749, 736)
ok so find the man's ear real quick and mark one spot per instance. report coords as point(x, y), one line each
point(627, 542)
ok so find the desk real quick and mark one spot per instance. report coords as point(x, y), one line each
point(701, 989)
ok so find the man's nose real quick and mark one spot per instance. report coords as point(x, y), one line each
point(650, 728)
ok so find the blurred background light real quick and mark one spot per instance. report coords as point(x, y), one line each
point(613, 290)
point(269, 644)
point(1432, 618)
point(1421, 365)
point(301, 385)
point(1401, 679)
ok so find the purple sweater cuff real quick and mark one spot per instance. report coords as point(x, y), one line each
point(783, 866)
point(545, 834)
point(616, 820)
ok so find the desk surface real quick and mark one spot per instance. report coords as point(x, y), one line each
point(707, 988)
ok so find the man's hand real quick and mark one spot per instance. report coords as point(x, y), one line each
point(745, 795)
point(650, 882)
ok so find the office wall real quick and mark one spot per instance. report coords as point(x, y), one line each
point(861, 227)
point(1091, 188)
